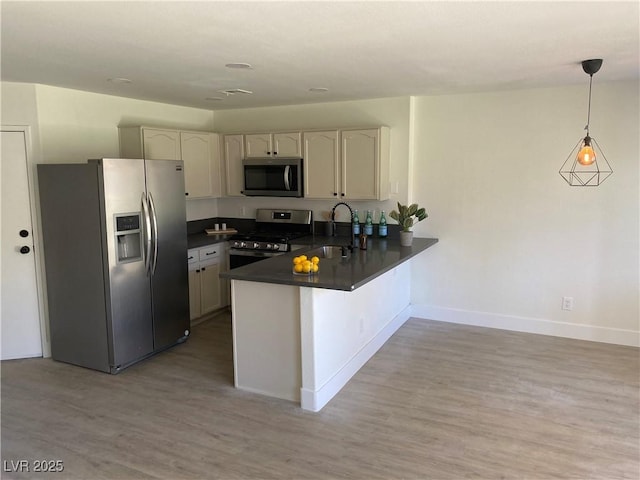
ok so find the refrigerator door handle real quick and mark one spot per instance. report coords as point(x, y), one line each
point(154, 219)
point(147, 233)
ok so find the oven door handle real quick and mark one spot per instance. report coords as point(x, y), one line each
point(287, 178)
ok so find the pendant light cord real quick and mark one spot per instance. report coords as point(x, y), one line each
point(589, 109)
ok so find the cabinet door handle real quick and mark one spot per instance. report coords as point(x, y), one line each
point(211, 253)
point(203, 269)
point(190, 257)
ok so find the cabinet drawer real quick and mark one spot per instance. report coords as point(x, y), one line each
point(207, 253)
point(193, 255)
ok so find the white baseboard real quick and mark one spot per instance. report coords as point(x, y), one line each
point(315, 400)
point(27, 355)
point(617, 336)
point(291, 396)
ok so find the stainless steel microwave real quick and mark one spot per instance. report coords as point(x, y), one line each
point(272, 177)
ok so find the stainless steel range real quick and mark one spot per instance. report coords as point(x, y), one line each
point(273, 233)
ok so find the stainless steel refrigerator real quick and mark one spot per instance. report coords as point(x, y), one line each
point(115, 250)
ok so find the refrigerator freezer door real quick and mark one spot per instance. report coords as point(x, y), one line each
point(73, 246)
point(170, 279)
point(129, 305)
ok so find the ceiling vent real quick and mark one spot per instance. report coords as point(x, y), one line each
point(233, 91)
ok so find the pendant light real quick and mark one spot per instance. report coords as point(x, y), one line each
point(586, 165)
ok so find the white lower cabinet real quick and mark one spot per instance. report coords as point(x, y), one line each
point(207, 291)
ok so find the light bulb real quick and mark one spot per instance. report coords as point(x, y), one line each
point(586, 155)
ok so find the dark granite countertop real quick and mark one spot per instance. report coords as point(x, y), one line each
point(196, 236)
point(197, 240)
point(336, 273)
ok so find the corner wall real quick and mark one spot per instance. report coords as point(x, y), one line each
point(514, 236)
point(70, 126)
point(76, 125)
point(19, 107)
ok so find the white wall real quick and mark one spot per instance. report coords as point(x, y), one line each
point(514, 236)
point(393, 112)
point(19, 107)
point(76, 125)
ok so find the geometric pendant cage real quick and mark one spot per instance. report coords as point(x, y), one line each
point(586, 165)
point(578, 175)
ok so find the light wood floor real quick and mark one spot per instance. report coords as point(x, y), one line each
point(439, 401)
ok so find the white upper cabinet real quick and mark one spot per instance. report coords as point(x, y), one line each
point(258, 145)
point(321, 164)
point(149, 143)
point(273, 144)
point(364, 164)
point(233, 147)
point(161, 144)
point(200, 152)
point(347, 164)
point(287, 144)
point(201, 157)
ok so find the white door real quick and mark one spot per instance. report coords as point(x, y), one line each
point(19, 315)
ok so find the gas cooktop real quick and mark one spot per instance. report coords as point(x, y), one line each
point(275, 228)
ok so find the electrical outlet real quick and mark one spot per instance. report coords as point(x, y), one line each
point(567, 303)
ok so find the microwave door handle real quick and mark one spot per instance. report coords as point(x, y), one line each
point(287, 176)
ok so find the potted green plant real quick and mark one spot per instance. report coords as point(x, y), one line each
point(406, 217)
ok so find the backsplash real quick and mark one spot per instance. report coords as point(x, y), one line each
point(240, 224)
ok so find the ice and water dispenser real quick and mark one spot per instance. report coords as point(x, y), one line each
point(128, 237)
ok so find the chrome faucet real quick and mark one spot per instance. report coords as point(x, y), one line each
point(333, 218)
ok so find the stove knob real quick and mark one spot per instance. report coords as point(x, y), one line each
point(256, 245)
point(268, 246)
point(276, 246)
point(243, 244)
point(236, 244)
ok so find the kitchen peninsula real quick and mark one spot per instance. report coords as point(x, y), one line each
point(302, 338)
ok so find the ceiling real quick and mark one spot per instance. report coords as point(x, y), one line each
point(176, 52)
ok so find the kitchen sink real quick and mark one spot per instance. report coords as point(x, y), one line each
point(326, 251)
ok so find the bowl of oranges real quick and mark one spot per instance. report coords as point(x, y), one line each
point(305, 266)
